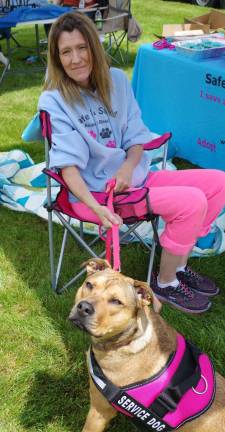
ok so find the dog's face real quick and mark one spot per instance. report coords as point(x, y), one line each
point(107, 303)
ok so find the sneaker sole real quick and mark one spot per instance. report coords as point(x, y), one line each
point(183, 309)
point(207, 294)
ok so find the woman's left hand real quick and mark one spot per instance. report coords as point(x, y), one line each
point(123, 177)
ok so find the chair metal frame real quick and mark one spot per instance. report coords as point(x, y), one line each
point(7, 35)
point(10, 37)
point(66, 217)
point(5, 69)
point(115, 29)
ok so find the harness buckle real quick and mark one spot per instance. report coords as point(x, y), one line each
point(167, 401)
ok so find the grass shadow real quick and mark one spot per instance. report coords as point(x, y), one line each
point(63, 401)
point(14, 79)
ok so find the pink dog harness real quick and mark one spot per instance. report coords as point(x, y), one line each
point(182, 391)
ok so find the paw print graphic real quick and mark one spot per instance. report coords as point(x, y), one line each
point(105, 133)
point(111, 144)
point(92, 133)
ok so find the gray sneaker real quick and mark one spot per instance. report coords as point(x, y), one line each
point(182, 297)
point(198, 283)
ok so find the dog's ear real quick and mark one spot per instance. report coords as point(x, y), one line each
point(95, 264)
point(146, 295)
point(157, 305)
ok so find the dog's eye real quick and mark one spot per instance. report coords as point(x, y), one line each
point(89, 285)
point(115, 301)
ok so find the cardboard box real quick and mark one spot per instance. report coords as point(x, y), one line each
point(214, 19)
point(191, 29)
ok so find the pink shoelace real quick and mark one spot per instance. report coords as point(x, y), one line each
point(183, 288)
point(192, 273)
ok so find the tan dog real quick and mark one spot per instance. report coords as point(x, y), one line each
point(130, 341)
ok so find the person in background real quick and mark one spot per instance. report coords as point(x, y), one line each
point(47, 27)
point(5, 34)
point(75, 3)
point(86, 4)
point(98, 134)
point(72, 3)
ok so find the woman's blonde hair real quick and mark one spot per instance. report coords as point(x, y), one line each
point(57, 78)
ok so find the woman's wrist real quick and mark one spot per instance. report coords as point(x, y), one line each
point(129, 164)
point(95, 207)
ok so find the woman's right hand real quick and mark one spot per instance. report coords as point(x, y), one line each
point(107, 217)
point(78, 187)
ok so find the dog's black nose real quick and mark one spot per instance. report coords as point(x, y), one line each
point(85, 309)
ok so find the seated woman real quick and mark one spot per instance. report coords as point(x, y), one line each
point(98, 133)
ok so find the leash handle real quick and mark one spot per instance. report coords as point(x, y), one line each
point(112, 235)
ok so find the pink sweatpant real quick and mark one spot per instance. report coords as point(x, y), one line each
point(187, 200)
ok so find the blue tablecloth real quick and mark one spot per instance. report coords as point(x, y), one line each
point(25, 14)
point(186, 97)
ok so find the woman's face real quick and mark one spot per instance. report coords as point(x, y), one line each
point(75, 57)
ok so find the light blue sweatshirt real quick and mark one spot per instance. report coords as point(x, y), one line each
point(92, 139)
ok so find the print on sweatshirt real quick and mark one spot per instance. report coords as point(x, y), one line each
point(98, 125)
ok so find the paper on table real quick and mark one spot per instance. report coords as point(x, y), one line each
point(189, 33)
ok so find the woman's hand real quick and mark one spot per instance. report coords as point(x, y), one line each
point(124, 177)
point(107, 217)
point(79, 188)
point(124, 174)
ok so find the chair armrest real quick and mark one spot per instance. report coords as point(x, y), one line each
point(157, 142)
point(54, 175)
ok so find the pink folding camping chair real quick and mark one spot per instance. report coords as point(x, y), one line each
point(126, 204)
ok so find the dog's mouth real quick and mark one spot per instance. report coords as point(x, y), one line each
point(83, 326)
point(101, 338)
point(80, 325)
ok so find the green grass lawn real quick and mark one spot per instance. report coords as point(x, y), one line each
point(43, 377)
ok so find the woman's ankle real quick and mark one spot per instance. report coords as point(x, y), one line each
point(162, 283)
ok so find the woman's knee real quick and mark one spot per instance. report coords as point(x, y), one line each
point(219, 179)
point(214, 180)
point(196, 202)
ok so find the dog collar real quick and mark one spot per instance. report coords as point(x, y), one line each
point(182, 391)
